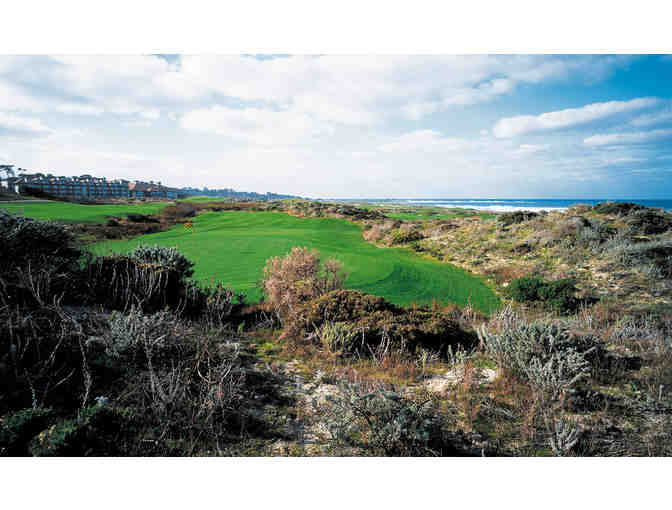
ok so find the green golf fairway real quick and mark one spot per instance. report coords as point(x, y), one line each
point(233, 247)
point(79, 213)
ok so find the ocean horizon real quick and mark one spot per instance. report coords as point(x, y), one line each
point(515, 204)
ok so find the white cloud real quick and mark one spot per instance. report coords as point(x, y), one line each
point(344, 83)
point(424, 140)
point(414, 86)
point(255, 125)
point(303, 125)
point(416, 111)
point(79, 109)
point(479, 93)
point(350, 90)
point(652, 119)
point(628, 138)
point(527, 148)
point(13, 98)
point(152, 114)
point(22, 126)
point(113, 84)
point(524, 124)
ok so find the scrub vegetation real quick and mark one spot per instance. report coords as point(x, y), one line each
point(330, 330)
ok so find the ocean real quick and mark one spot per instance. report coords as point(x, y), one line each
point(517, 204)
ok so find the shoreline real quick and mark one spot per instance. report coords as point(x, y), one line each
point(500, 208)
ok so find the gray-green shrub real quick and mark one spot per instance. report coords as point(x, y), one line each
point(382, 423)
point(653, 257)
point(134, 337)
point(120, 282)
point(406, 236)
point(36, 261)
point(512, 218)
point(214, 304)
point(547, 355)
point(163, 258)
point(339, 337)
point(27, 240)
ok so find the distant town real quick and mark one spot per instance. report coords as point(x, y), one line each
point(89, 187)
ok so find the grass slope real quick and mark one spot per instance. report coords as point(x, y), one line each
point(233, 248)
point(79, 213)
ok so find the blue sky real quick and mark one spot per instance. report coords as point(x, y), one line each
point(508, 126)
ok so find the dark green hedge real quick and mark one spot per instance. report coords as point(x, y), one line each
point(558, 294)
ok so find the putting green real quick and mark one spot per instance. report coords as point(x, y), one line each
point(232, 247)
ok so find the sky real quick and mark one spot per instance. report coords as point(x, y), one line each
point(476, 126)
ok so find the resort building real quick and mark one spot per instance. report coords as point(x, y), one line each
point(83, 186)
point(151, 189)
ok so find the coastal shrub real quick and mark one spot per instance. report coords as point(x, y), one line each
point(181, 210)
point(36, 258)
point(558, 294)
point(25, 240)
point(377, 322)
point(405, 236)
point(40, 358)
point(525, 289)
point(215, 304)
point(383, 423)
point(345, 305)
point(163, 258)
point(141, 218)
point(594, 234)
point(621, 208)
point(653, 256)
point(357, 213)
point(417, 247)
point(649, 221)
point(578, 209)
point(100, 430)
point(547, 355)
point(18, 428)
point(299, 277)
point(119, 282)
point(338, 337)
point(564, 435)
point(512, 218)
point(150, 278)
point(135, 339)
point(191, 402)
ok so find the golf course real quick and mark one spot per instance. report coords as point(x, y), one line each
point(233, 247)
point(66, 212)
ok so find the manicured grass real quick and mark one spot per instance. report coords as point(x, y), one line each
point(232, 247)
point(78, 213)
